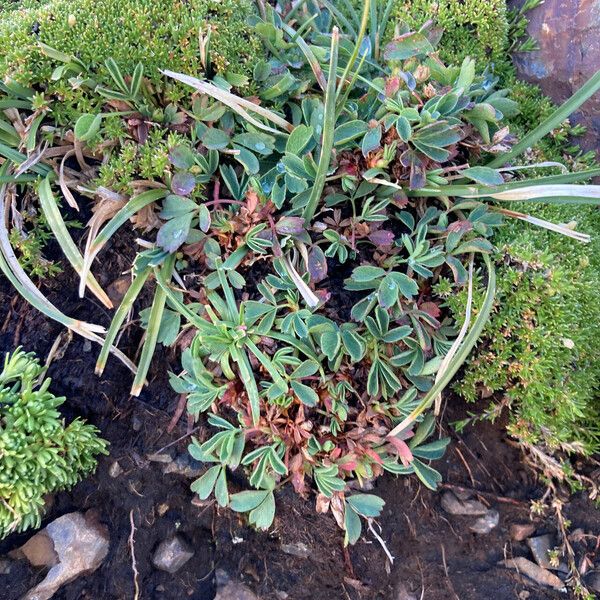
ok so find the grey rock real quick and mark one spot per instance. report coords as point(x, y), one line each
point(568, 35)
point(533, 571)
point(81, 544)
point(486, 523)
point(452, 505)
point(172, 554)
point(298, 549)
point(227, 589)
point(593, 581)
point(539, 547)
point(186, 466)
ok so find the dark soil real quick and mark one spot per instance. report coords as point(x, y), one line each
point(436, 557)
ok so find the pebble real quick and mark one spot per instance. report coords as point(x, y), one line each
point(136, 423)
point(115, 469)
point(452, 505)
point(486, 523)
point(172, 554)
point(186, 466)
point(521, 531)
point(81, 544)
point(299, 549)
point(5, 566)
point(232, 590)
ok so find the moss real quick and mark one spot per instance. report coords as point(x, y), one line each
point(158, 33)
point(471, 27)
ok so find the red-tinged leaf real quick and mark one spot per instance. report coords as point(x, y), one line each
point(317, 264)
point(431, 308)
point(402, 449)
point(183, 183)
point(463, 226)
point(348, 466)
point(290, 225)
point(373, 455)
point(382, 237)
point(392, 85)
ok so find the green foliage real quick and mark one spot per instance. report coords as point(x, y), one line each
point(38, 452)
point(94, 31)
point(471, 27)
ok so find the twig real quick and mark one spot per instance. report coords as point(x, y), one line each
point(133, 563)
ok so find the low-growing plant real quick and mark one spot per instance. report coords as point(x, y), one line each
point(39, 453)
point(302, 236)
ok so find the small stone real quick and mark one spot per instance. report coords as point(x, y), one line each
point(136, 423)
point(87, 346)
point(402, 593)
point(160, 458)
point(299, 549)
point(172, 554)
point(162, 509)
point(5, 566)
point(486, 523)
point(281, 595)
point(117, 289)
point(521, 531)
point(232, 590)
point(452, 505)
point(186, 466)
point(115, 469)
point(81, 544)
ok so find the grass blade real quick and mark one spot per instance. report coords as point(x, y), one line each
point(461, 355)
point(64, 239)
point(587, 90)
point(130, 296)
point(154, 321)
point(328, 129)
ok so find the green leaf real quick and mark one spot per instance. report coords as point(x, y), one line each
point(388, 292)
point(305, 369)
point(349, 131)
point(262, 516)
point(174, 233)
point(204, 485)
point(299, 139)
point(407, 46)
point(430, 477)
point(204, 219)
point(408, 287)
point(367, 273)
point(305, 394)
point(353, 527)
point(87, 126)
point(221, 492)
point(483, 175)
point(403, 128)
point(247, 500)
point(247, 160)
point(372, 140)
point(330, 343)
point(214, 139)
point(367, 505)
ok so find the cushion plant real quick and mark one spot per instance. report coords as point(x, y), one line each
point(306, 237)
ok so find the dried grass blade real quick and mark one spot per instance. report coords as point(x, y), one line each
point(64, 239)
point(234, 102)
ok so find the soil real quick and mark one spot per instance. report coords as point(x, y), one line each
point(436, 556)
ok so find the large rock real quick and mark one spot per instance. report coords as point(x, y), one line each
point(568, 33)
point(80, 543)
